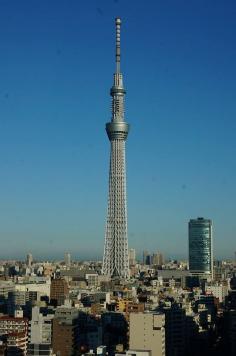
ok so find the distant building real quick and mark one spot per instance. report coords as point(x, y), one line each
point(132, 257)
point(29, 260)
point(200, 247)
point(67, 259)
point(147, 333)
point(145, 254)
point(158, 259)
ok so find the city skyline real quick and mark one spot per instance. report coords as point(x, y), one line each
point(55, 67)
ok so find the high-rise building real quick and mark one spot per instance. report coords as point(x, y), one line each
point(116, 258)
point(200, 247)
point(147, 333)
point(158, 259)
point(29, 259)
point(145, 256)
point(132, 257)
point(67, 259)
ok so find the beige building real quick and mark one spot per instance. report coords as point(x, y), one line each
point(147, 333)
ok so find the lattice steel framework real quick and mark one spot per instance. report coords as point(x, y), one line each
point(116, 258)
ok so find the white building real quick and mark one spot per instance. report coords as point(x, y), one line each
point(40, 333)
point(219, 291)
point(41, 286)
point(40, 328)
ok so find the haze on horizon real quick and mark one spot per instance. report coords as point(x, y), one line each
point(56, 64)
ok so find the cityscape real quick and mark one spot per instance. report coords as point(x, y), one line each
point(138, 297)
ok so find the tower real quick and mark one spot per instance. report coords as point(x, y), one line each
point(200, 247)
point(116, 255)
point(29, 260)
point(67, 259)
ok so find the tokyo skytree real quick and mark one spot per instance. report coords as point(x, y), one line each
point(116, 257)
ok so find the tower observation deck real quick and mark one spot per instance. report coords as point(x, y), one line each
point(116, 257)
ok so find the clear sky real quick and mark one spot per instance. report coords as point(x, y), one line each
point(56, 69)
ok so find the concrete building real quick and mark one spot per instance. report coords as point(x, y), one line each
point(5, 288)
point(219, 291)
point(200, 247)
point(15, 301)
point(147, 333)
point(16, 332)
point(40, 333)
point(65, 331)
point(39, 285)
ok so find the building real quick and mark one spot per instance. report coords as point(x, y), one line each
point(158, 259)
point(115, 329)
point(59, 291)
point(38, 286)
point(230, 332)
point(16, 332)
point(147, 333)
point(116, 258)
point(40, 333)
point(29, 260)
point(220, 291)
point(17, 300)
point(132, 257)
point(5, 288)
point(67, 259)
point(145, 256)
point(65, 331)
point(200, 247)
point(175, 327)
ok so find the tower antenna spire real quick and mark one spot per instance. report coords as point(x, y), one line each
point(118, 24)
point(116, 257)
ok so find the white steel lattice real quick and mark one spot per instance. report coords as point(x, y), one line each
point(116, 259)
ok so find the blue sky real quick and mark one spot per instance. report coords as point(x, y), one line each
point(56, 68)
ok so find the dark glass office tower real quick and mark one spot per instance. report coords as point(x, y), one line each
point(200, 247)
